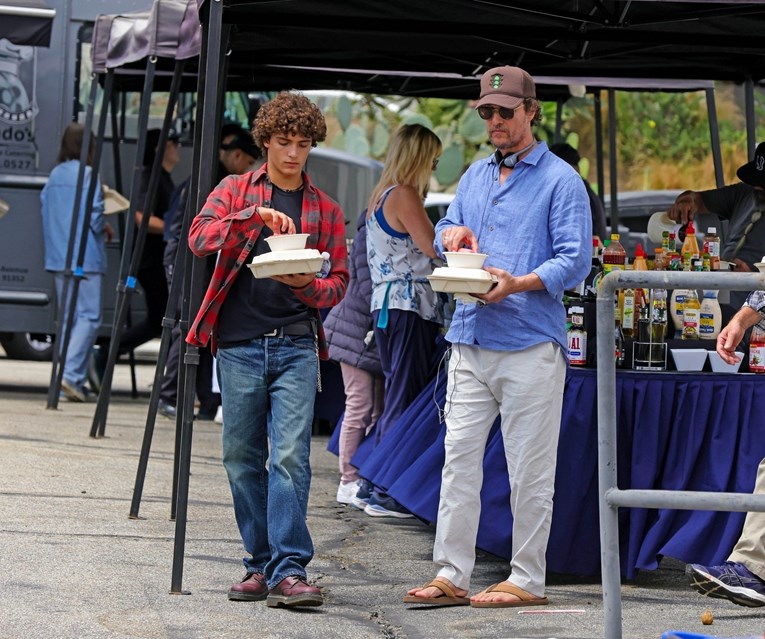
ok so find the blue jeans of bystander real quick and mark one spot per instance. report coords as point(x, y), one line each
point(268, 388)
point(87, 321)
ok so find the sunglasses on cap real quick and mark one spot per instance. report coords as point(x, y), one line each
point(487, 112)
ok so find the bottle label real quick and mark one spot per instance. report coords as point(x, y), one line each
point(712, 247)
point(607, 268)
point(679, 304)
point(757, 358)
point(628, 313)
point(690, 323)
point(577, 347)
point(706, 324)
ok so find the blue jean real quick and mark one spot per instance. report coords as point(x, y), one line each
point(268, 388)
point(87, 321)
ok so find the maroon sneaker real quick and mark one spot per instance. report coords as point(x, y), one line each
point(294, 591)
point(252, 588)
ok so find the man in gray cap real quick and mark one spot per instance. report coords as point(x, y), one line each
point(528, 210)
point(742, 205)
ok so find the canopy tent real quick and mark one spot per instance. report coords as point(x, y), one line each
point(409, 47)
point(421, 48)
point(426, 48)
point(170, 30)
point(26, 22)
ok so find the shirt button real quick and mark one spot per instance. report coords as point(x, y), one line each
point(491, 228)
point(495, 202)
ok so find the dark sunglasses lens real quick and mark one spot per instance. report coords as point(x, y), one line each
point(486, 112)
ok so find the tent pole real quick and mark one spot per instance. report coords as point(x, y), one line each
point(751, 118)
point(126, 284)
point(612, 160)
point(59, 355)
point(599, 146)
point(79, 273)
point(168, 323)
point(558, 122)
point(206, 124)
point(714, 132)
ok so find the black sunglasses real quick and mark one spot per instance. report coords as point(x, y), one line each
point(487, 112)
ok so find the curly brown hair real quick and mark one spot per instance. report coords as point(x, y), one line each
point(290, 112)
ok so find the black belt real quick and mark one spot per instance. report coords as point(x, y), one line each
point(292, 330)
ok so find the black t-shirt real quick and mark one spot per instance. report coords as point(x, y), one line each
point(257, 306)
point(154, 245)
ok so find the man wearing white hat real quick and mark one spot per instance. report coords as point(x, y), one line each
point(742, 205)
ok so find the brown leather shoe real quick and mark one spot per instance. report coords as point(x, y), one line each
point(294, 591)
point(252, 588)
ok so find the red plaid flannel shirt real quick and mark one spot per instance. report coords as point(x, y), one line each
point(228, 223)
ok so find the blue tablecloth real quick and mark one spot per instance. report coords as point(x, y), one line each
point(679, 431)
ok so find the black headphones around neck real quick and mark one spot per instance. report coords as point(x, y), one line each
point(511, 160)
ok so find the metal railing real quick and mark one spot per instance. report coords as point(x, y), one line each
point(610, 496)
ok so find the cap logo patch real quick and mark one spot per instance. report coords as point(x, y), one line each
point(760, 162)
point(496, 81)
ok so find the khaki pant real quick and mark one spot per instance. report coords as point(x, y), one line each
point(750, 548)
point(526, 389)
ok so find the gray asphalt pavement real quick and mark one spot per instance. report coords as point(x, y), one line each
point(76, 567)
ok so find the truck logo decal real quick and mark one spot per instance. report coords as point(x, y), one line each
point(16, 105)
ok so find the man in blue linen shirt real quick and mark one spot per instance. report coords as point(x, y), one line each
point(528, 210)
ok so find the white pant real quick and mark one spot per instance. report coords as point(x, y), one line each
point(526, 388)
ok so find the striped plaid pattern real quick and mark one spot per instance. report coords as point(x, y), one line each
point(228, 223)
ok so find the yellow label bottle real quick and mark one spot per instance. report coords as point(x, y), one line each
point(691, 315)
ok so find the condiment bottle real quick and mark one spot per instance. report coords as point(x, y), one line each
point(618, 343)
point(614, 255)
point(640, 263)
point(658, 260)
point(691, 315)
point(665, 242)
point(690, 244)
point(712, 246)
point(577, 338)
point(629, 313)
point(710, 316)
point(757, 349)
point(676, 303)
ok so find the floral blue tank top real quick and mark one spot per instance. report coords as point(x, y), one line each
point(399, 270)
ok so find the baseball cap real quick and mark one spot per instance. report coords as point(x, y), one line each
point(753, 173)
point(242, 140)
point(506, 87)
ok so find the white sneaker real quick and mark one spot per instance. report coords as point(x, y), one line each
point(346, 492)
point(71, 393)
point(219, 415)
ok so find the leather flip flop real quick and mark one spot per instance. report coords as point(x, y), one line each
point(526, 598)
point(449, 598)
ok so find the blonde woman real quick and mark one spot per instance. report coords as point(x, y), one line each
point(406, 312)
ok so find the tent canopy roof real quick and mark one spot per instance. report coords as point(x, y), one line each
point(426, 48)
point(26, 22)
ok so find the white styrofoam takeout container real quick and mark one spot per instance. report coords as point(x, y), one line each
point(461, 282)
point(286, 263)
